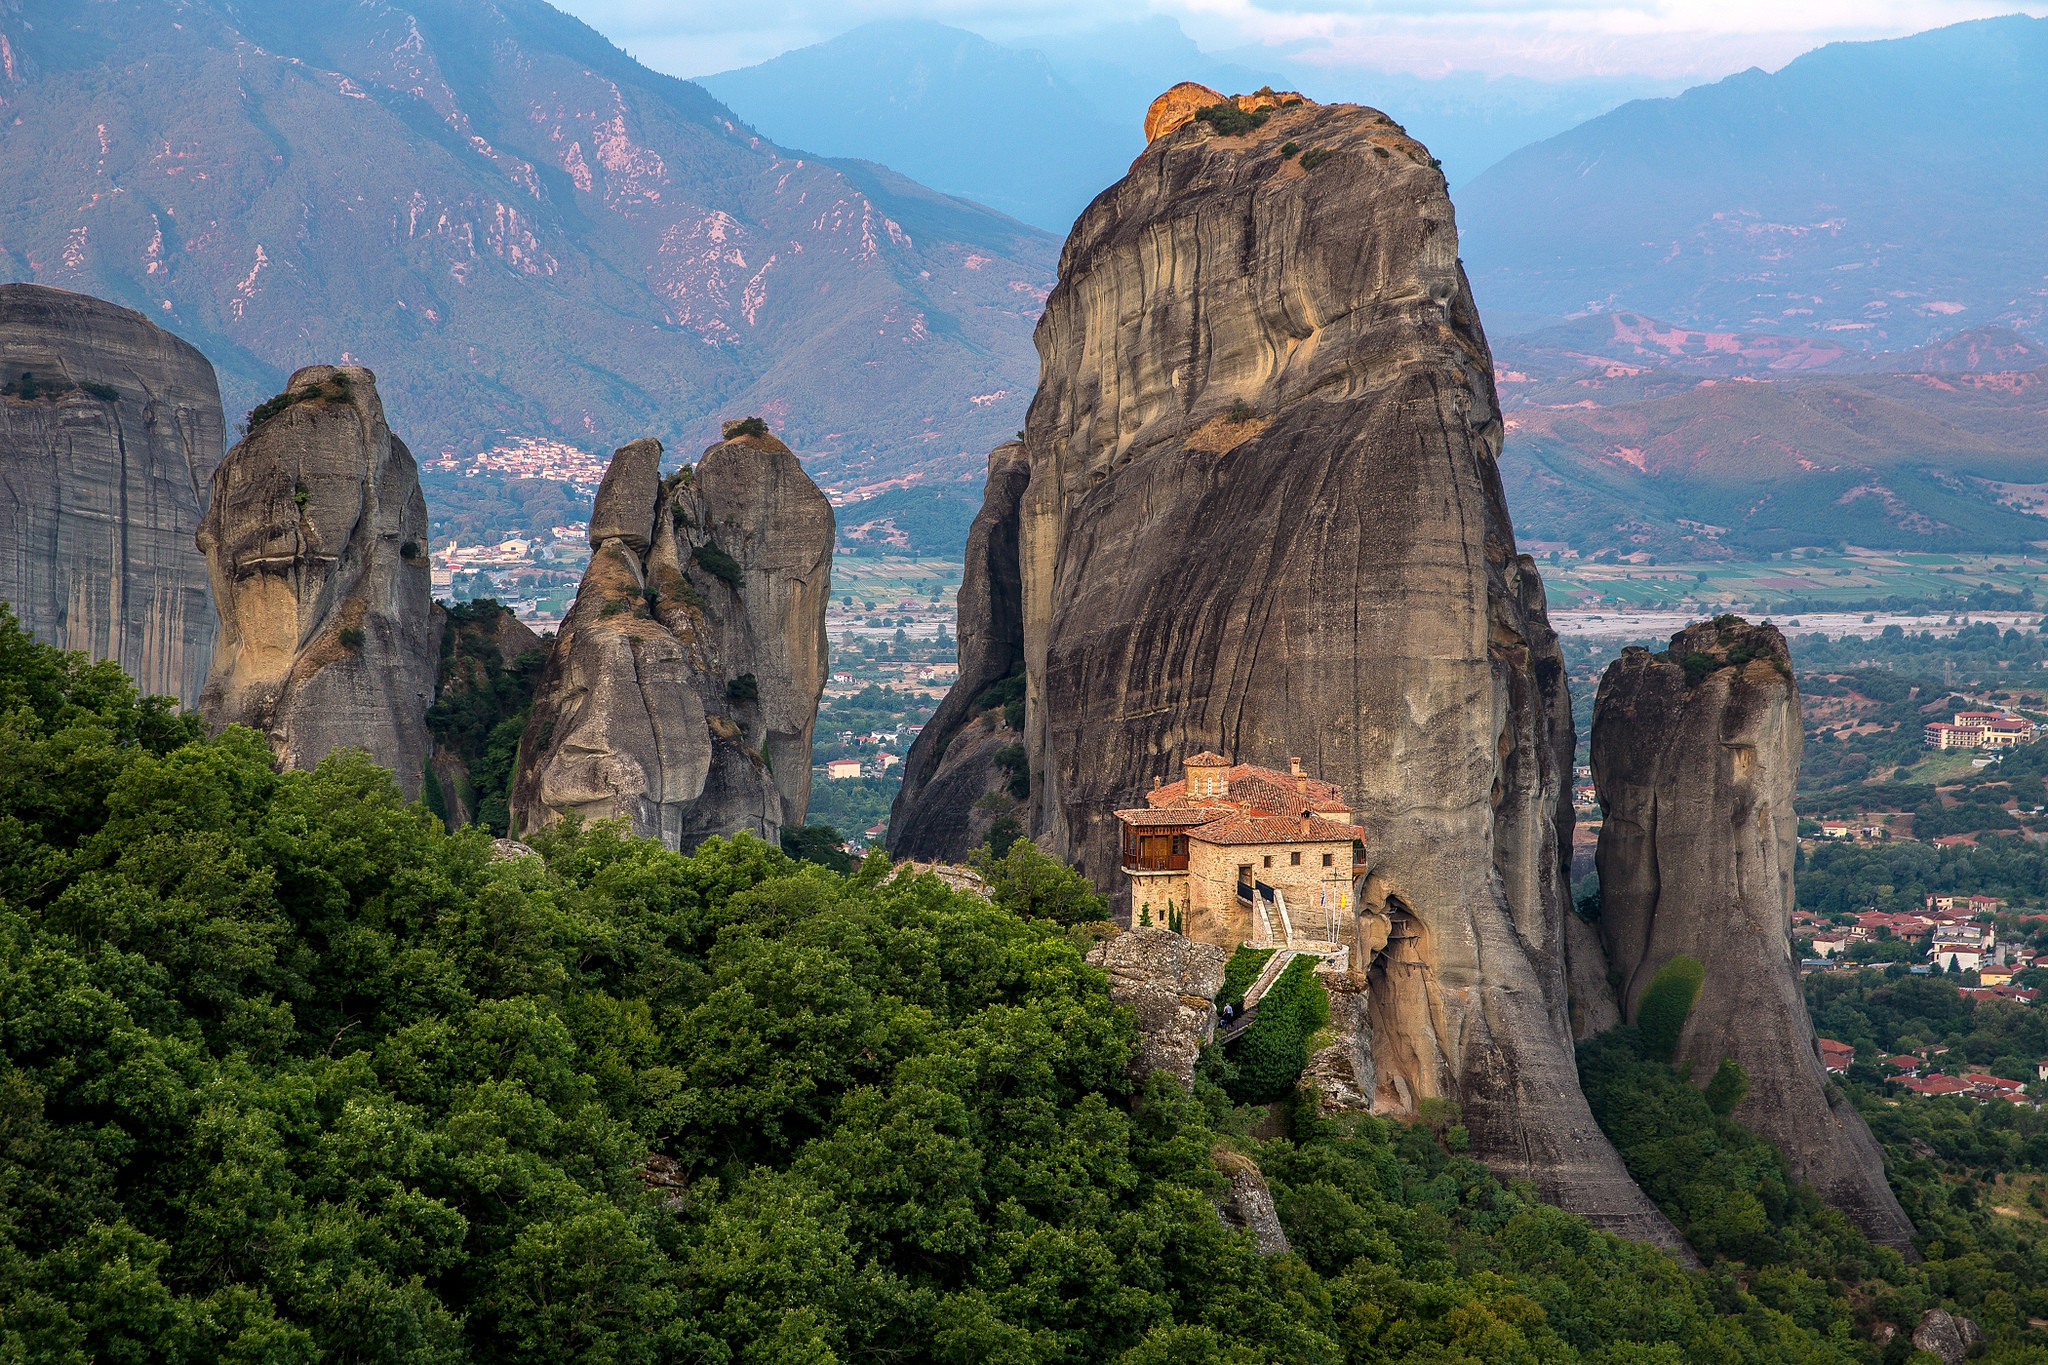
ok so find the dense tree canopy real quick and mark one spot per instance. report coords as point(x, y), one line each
point(289, 1073)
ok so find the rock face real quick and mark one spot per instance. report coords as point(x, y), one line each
point(106, 485)
point(1263, 517)
point(951, 765)
point(1695, 755)
point(1170, 982)
point(1250, 1203)
point(1946, 1336)
point(316, 543)
point(684, 683)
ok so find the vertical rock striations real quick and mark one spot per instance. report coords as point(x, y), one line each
point(1695, 754)
point(105, 453)
point(684, 683)
point(952, 766)
point(1263, 517)
point(316, 542)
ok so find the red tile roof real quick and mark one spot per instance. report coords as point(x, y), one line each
point(1937, 1085)
point(1173, 815)
point(1208, 758)
point(1830, 1045)
point(1994, 1082)
point(1271, 829)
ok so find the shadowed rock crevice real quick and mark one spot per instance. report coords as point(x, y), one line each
point(1263, 517)
point(683, 686)
point(106, 454)
point(316, 543)
point(951, 766)
point(1696, 753)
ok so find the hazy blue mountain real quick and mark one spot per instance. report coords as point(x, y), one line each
point(1039, 126)
point(1879, 193)
point(944, 107)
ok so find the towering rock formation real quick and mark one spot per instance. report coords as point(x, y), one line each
point(951, 766)
point(110, 428)
point(316, 541)
point(684, 682)
point(1263, 517)
point(1695, 753)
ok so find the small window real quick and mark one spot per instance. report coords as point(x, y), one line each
point(1294, 858)
point(1269, 860)
point(1326, 859)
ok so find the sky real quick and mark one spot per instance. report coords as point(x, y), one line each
point(1544, 39)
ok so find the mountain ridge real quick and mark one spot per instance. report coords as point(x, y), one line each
point(1879, 193)
point(525, 230)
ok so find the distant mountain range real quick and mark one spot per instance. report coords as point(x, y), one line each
point(1040, 126)
point(1875, 194)
point(523, 231)
point(1628, 434)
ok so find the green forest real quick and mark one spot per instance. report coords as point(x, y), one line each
point(292, 1073)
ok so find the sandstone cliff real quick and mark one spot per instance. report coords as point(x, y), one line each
point(951, 766)
point(684, 682)
point(1170, 983)
point(1263, 517)
point(316, 543)
point(1695, 754)
point(105, 454)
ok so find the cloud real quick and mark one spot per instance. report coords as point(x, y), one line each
point(1551, 39)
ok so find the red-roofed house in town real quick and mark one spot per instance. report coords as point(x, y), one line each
point(1836, 1056)
point(1909, 1066)
point(1938, 1085)
point(1243, 854)
point(1995, 1085)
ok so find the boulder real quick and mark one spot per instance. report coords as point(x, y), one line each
point(1249, 1204)
point(106, 453)
point(1948, 1336)
point(1263, 516)
point(1696, 754)
point(684, 682)
point(624, 507)
point(316, 544)
point(1170, 983)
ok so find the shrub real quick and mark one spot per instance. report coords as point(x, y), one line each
point(1314, 157)
point(720, 565)
point(28, 388)
point(1270, 1055)
point(1240, 412)
point(818, 844)
point(1031, 883)
point(1698, 666)
point(1238, 974)
point(1012, 760)
point(1288, 149)
point(745, 688)
point(1662, 1011)
point(335, 387)
point(746, 426)
point(1003, 834)
point(1013, 714)
point(1001, 694)
point(1729, 1087)
point(106, 393)
point(352, 637)
point(613, 609)
point(686, 593)
point(1229, 120)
